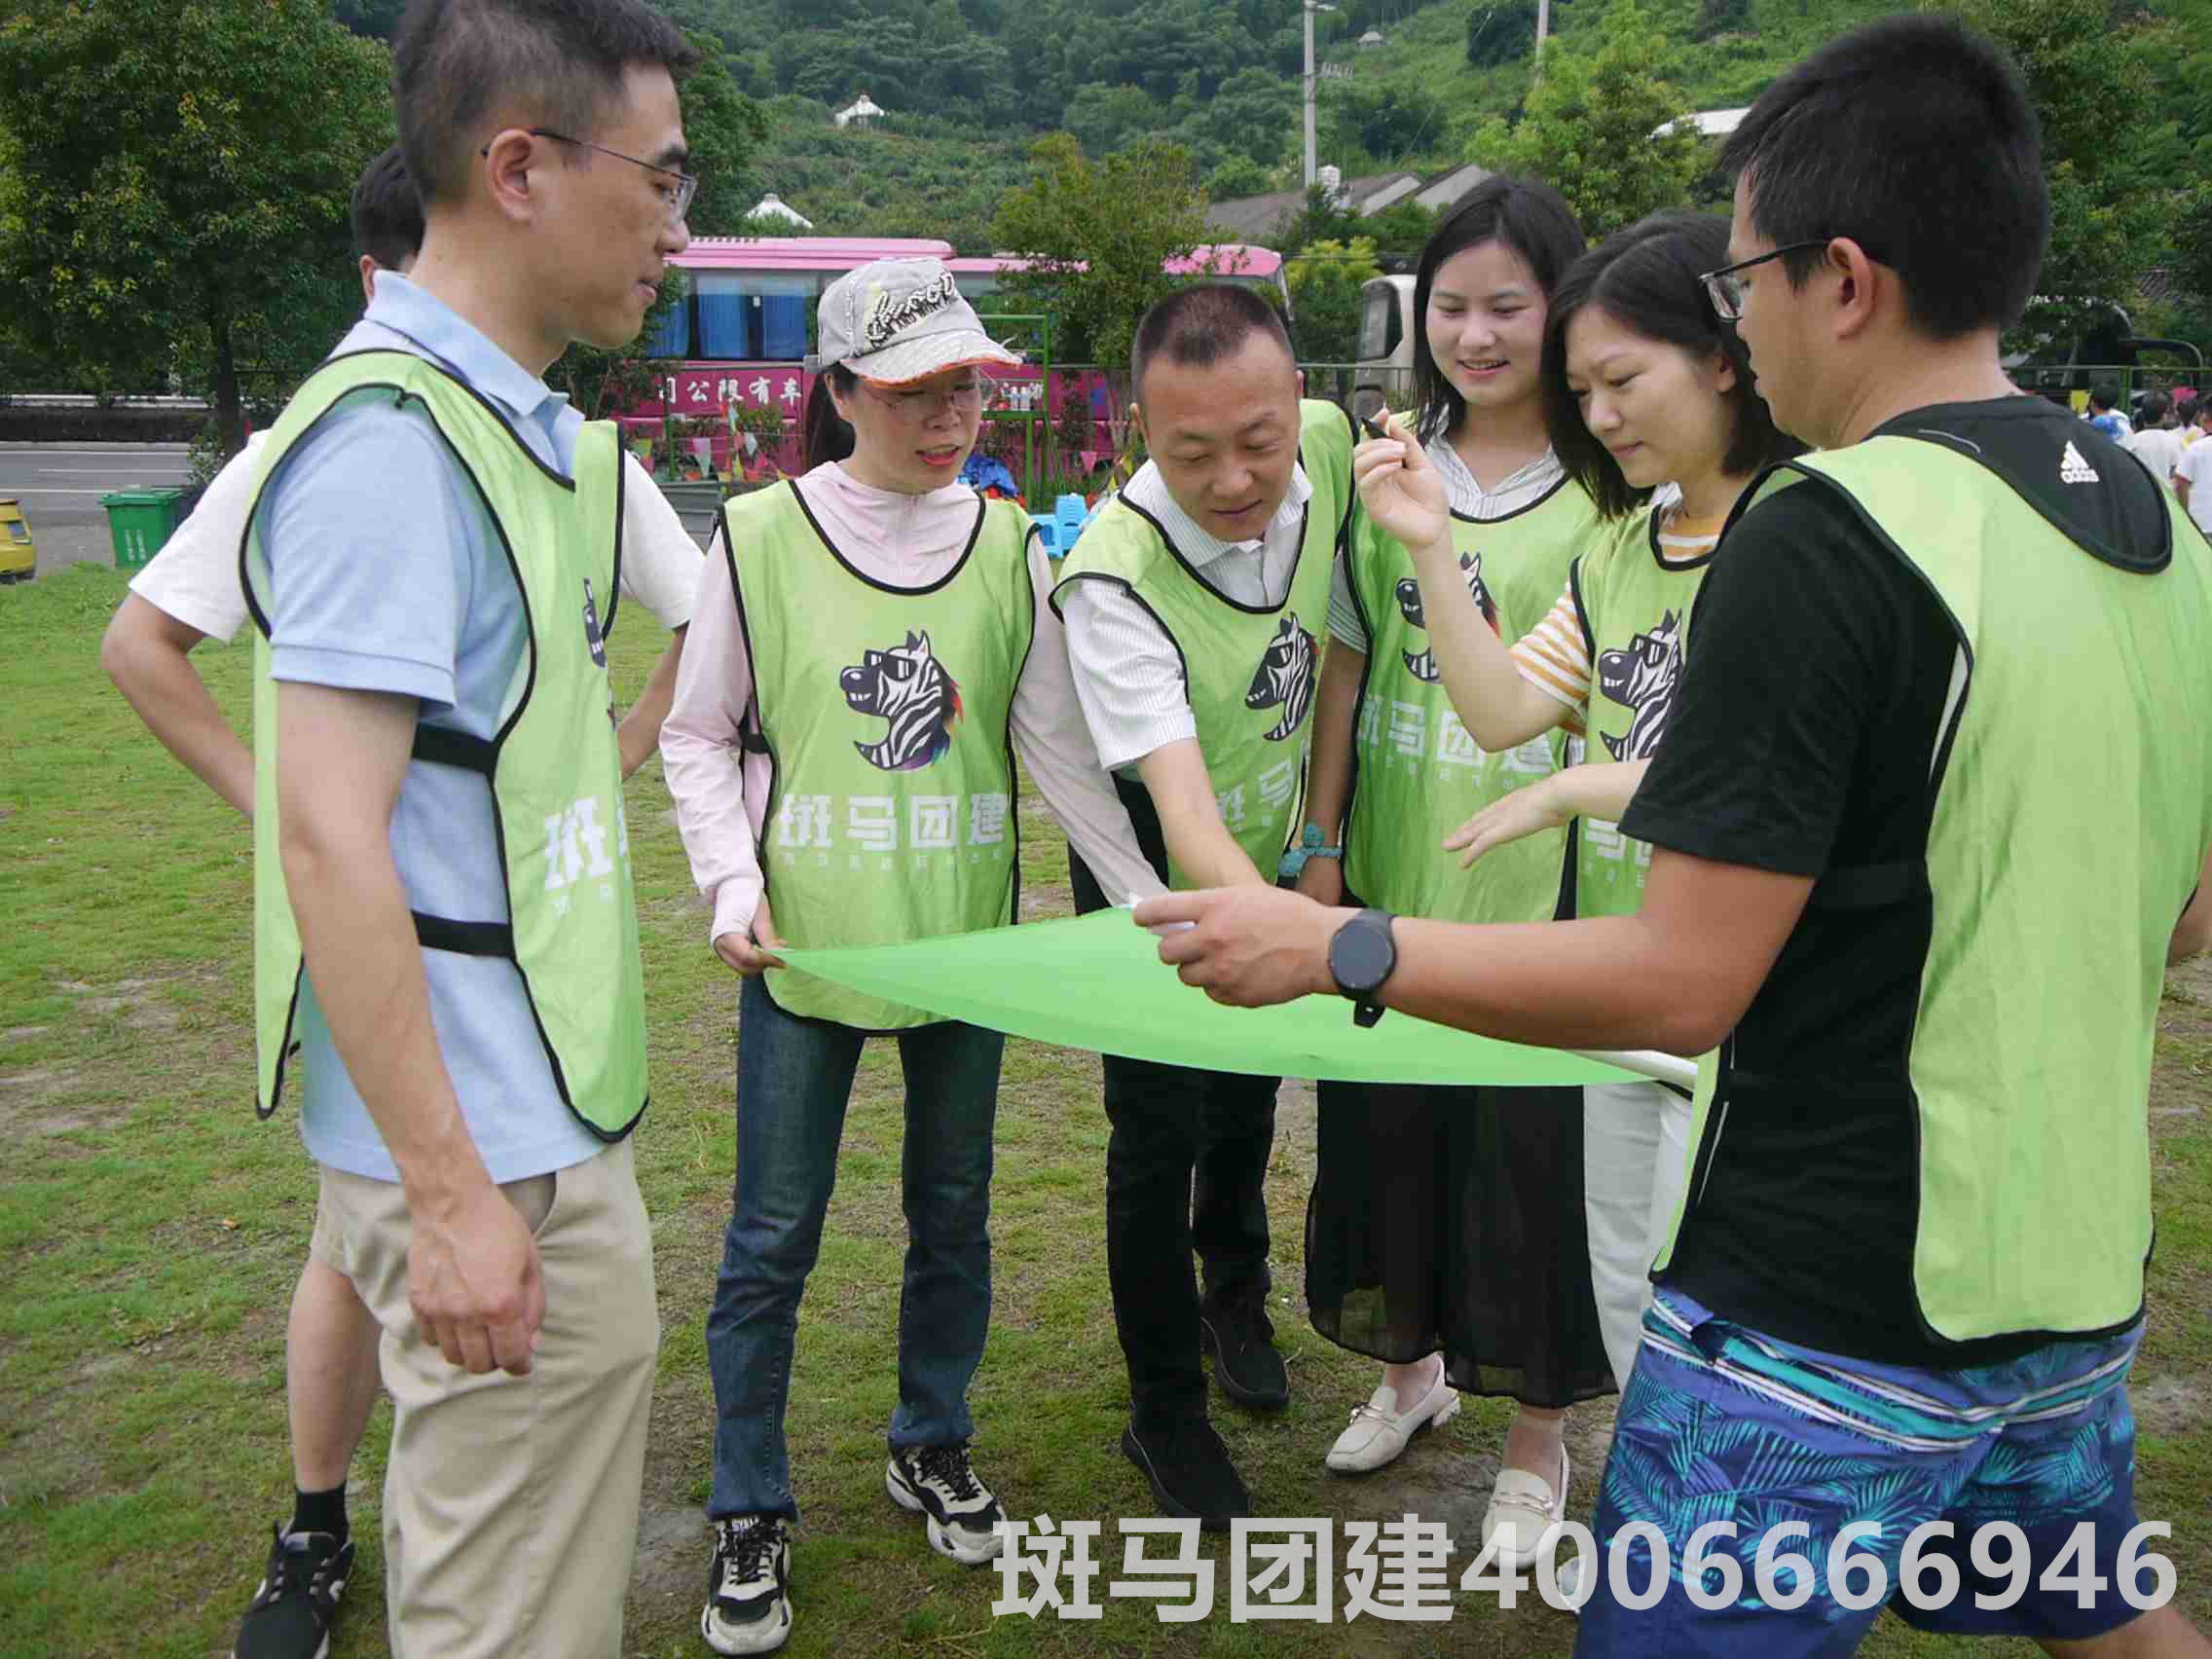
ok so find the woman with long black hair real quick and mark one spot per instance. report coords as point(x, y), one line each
point(1445, 1231)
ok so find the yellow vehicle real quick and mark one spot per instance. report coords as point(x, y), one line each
point(19, 557)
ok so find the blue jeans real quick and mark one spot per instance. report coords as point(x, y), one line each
point(794, 1078)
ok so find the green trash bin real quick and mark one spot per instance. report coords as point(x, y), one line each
point(140, 521)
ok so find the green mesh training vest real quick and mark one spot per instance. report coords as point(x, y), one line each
point(1636, 620)
point(1417, 774)
point(886, 715)
point(554, 768)
point(2056, 876)
point(1251, 672)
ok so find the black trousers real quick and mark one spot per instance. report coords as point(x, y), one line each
point(1186, 1168)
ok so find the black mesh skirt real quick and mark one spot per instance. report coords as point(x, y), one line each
point(1451, 1220)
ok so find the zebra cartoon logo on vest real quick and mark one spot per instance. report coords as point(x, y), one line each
point(1643, 679)
point(910, 688)
point(1285, 677)
point(1422, 665)
point(593, 638)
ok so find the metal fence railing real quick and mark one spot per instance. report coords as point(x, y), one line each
point(1065, 432)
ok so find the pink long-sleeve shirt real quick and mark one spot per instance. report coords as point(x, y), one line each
point(722, 792)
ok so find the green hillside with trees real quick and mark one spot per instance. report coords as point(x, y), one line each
point(2125, 87)
point(175, 218)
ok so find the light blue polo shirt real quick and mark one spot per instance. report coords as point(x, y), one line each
point(386, 574)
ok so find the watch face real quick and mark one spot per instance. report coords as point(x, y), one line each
point(1361, 955)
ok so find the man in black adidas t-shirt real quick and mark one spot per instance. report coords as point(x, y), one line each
point(1927, 823)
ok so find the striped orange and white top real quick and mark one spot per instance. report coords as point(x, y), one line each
point(1554, 656)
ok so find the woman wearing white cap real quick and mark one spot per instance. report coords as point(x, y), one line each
point(868, 654)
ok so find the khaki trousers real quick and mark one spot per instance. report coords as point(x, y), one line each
point(511, 1503)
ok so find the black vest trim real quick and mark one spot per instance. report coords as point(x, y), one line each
point(464, 939)
point(441, 746)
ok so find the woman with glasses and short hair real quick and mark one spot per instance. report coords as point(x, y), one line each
point(872, 648)
point(1650, 406)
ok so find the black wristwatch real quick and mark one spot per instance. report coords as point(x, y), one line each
point(1361, 957)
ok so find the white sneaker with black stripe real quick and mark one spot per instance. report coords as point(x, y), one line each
point(749, 1586)
point(939, 1482)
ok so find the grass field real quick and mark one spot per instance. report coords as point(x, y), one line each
point(150, 1231)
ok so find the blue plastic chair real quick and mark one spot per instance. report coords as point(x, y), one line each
point(1059, 527)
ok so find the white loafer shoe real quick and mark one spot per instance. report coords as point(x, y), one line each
point(1524, 1514)
point(1570, 1582)
point(1379, 1433)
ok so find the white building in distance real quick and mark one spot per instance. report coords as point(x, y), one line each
point(1710, 122)
point(774, 208)
point(863, 109)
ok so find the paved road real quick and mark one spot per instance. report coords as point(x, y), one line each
point(60, 485)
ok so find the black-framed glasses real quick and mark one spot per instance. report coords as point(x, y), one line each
point(678, 192)
point(1727, 293)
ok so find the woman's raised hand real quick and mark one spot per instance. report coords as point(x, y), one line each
point(1399, 489)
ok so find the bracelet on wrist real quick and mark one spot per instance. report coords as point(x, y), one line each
point(1308, 845)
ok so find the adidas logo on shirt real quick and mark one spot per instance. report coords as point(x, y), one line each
point(2073, 469)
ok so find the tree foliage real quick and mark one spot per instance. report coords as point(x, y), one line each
point(908, 176)
point(1098, 232)
point(183, 193)
point(1240, 176)
point(725, 130)
point(2108, 210)
point(1385, 121)
point(376, 18)
point(1501, 32)
point(1399, 229)
point(1325, 280)
point(1718, 17)
point(1593, 127)
point(2192, 242)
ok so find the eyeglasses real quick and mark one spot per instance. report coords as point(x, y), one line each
point(1727, 293)
point(677, 193)
point(918, 403)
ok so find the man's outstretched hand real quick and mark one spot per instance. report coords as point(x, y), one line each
point(1246, 946)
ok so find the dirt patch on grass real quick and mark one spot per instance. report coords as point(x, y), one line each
point(44, 1468)
point(143, 1006)
point(670, 1575)
point(2192, 978)
point(28, 1103)
point(2169, 1404)
point(37, 1084)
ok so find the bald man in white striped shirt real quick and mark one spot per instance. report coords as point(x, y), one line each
point(1195, 607)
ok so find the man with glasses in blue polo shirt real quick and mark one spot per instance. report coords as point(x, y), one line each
point(438, 814)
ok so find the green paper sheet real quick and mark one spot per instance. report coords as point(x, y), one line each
point(1097, 982)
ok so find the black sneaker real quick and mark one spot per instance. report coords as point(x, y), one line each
point(291, 1612)
point(1241, 1343)
point(939, 1482)
point(1188, 1471)
point(749, 1586)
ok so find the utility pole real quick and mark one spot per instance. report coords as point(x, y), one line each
point(1313, 80)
